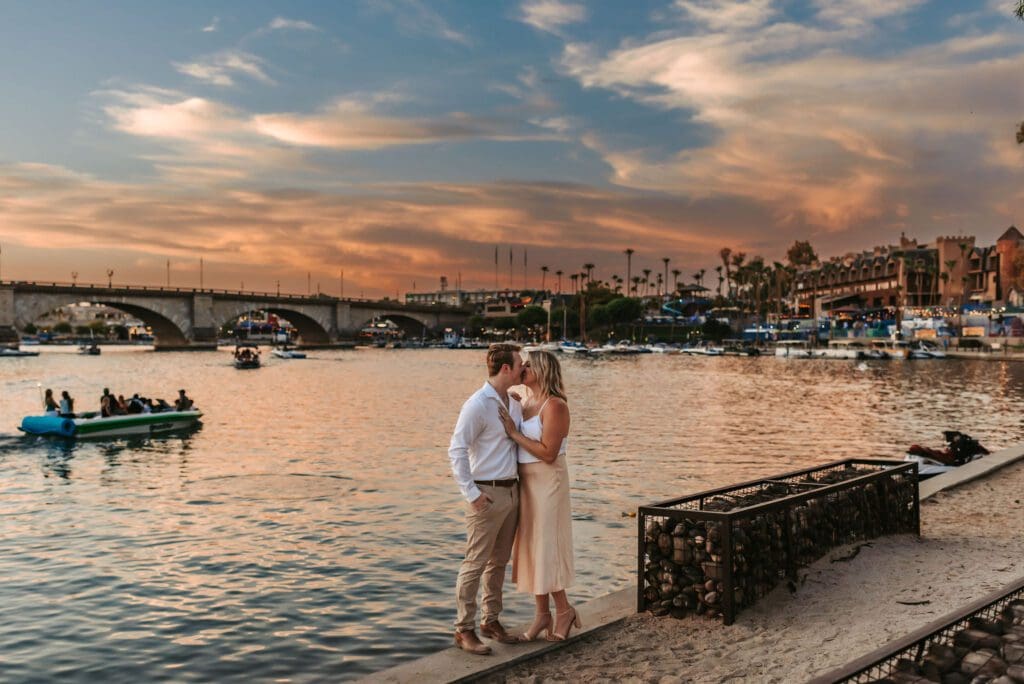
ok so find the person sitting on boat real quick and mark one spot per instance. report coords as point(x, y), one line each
point(105, 400)
point(67, 405)
point(183, 403)
point(135, 404)
point(119, 406)
point(49, 404)
point(962, 449)
point(160, 405)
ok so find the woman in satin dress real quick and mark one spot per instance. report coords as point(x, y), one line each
point(542, 559)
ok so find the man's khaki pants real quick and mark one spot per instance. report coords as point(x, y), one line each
point(489, 537)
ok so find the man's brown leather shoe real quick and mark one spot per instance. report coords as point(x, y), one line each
point(469, 642)
point(494, 630)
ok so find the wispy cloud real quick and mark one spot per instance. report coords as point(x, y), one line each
point(221, 68)
point(725, 15)
point(229, 143)
point(414, 17)
point(354, 124)
point(552, 15)
point(281, 24)
point(212, 26)
point(858, 12)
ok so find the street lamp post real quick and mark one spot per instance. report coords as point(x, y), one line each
point(110, 278)
point(279, 288)
point(74, 278)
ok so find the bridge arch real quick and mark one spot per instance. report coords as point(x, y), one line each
point(311, 331)
point(165, 330)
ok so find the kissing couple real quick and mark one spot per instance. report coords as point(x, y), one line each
point(508, 458)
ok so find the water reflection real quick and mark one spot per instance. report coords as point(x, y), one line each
point(311, 529)
point(60, 452)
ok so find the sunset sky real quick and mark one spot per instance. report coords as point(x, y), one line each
point(403, 140)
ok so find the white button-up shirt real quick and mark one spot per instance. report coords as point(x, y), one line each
point(480, 449)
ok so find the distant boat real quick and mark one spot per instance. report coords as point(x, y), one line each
point(793, 349)
point(704, 349)
point(286, 353)
point(577, 348)
point(14, 351)
point(91, 349)
point(247, 355)
point(922, 349)
point(93, 426)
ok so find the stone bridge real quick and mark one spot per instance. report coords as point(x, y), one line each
point(191, 319)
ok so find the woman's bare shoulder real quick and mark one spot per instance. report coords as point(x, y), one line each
point(557, 406)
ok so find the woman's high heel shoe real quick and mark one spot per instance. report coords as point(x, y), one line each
point(575, 622)
point(541, 623)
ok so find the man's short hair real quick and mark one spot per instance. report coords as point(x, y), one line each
point(500, 354)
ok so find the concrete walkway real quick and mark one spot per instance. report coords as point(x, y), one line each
point(453, 665)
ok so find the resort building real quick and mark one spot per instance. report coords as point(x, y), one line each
point(950, 273)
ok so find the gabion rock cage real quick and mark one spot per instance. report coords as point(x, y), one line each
point(983, 642)
point(718, 551)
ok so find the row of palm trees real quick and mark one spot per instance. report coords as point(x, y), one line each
point(632, 285)
point(752, 285)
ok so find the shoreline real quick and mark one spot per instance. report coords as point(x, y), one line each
point(848, 603)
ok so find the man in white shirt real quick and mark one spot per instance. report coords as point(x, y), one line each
point(484, 465)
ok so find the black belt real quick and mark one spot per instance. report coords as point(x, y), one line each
point(497, 483)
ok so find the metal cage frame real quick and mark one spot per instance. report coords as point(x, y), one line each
point(786, 492)
point(883, 661)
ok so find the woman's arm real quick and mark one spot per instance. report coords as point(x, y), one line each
point(555, 421)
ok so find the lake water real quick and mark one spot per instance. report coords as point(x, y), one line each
point(311, 531)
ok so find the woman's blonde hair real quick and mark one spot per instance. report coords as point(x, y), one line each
point(549, 373)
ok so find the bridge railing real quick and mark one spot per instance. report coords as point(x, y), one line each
point(320, 297)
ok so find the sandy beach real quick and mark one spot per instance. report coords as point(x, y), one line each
point(971, 544)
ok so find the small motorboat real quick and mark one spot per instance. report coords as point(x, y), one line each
point(286, 352)
point(961, 449)
point(91, 349)
point(703, 349)
point(94, 426)
point(576, 348)
point(921, 349)
point(14, 351)
point(247, 355)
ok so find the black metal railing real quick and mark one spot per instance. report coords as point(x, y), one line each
point(983, 640)
point(718, 551)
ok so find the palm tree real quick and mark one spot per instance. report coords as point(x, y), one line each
point(636, 284)
point(629, 264)
point(616, 280)
point(574, 277)
point(950, 265)
point(647, 279)
point(725, 253)
point(720, 279)
point(675, 278)
point(737, 261)
point(543, 277)
point(559, 274)
point(660, 282)
point(665, 260)
point(590, 271)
